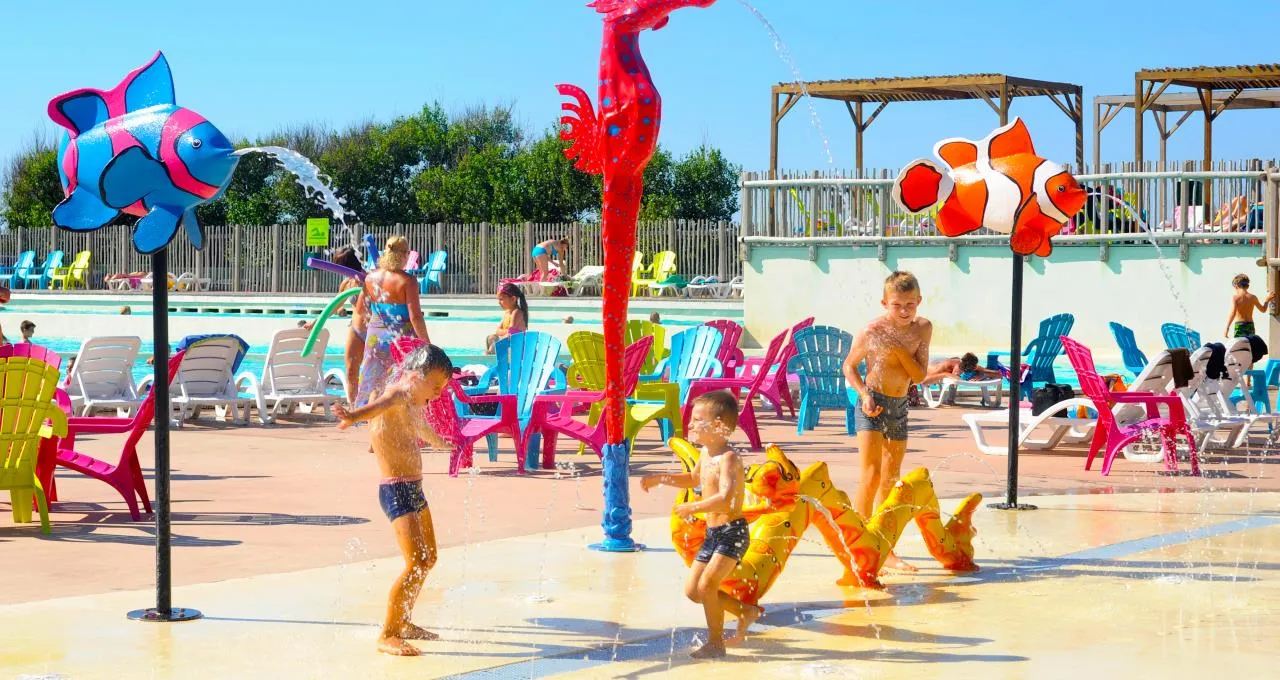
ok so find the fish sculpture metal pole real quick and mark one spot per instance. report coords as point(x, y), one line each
point(784, 501)
point(998, 183)
point(617, 142)
point(133, 150)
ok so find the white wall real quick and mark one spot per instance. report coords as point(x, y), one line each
point(968, 300)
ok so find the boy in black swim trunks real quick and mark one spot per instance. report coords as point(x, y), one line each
point(397, 426)
point(719, 474)
point(896, 349)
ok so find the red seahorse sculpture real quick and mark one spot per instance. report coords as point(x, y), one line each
point(617, 142)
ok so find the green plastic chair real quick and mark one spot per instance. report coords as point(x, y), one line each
point(653, 401)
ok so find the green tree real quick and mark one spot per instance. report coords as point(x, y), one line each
point(659, 201)
point(549, 188)
point(31, 187)
point(705, 185)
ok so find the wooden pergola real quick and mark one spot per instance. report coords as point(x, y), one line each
point(997, 90)
point(1107, 107)
point(1217, 88)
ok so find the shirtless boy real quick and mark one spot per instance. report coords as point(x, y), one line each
point(1242, 305)
point(397, 426)
point(896, 349)
point(719, 474)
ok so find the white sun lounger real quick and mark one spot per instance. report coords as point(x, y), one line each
point(590, 276)
point(290, 379)
point(102, 376)
point(204, 378)
point(945, 392)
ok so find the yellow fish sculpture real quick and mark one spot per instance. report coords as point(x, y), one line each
point(782, 502)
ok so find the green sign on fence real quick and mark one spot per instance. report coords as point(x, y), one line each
point(317, 232)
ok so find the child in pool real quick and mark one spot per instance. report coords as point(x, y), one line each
point(719, 474)
point(515, 315)
point(397, 426)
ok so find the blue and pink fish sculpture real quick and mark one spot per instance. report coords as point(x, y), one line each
point(132, 150)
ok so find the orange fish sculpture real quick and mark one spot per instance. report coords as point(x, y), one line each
point(998, 183)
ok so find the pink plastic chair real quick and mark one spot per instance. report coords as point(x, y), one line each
point(125, 475)
point(775, 387)
point(462, 432)
point(1115, 436)
point(751, 383)
point(553, 413)
point(730, 354)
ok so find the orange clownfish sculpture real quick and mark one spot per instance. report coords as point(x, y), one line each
point(999, 183)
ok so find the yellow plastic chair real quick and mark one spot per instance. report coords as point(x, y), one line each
point(664, 265)
point(76, 275)
point(636, 329)
point(30, 376)
point(651, 401)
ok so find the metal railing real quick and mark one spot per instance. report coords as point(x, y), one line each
point(1121, 201)
point(268, 259)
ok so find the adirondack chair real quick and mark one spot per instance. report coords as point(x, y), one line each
point(663, 265)
point(1176, 335)
point(30, 379)
point(38, 277)
point(1114, 437)
point(206, 378)
point(819, 366)
point(125, 475)
point(433, 272)
point(656, 401)
point(102, 376)
point(526, 365)
point(74, 276)
point(693, 356)
point(730, 356)
point(636, 329)
point(291, 379)
point(370, 251)
point(776, 388)
point(1041, 351)
point(747, 414)
point(1134, 359)
point(553, 413)
point(15, 276)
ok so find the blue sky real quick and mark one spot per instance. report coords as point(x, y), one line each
point(253, 66)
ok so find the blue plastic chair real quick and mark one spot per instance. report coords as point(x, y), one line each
point(371, 252)
point(693, 356)
point(527, 364)
point(38, 277)
point(433, 272)
point(819, 365)
point(1176, 335)
point(1134, 359)
point(16, 276)
point(1041, 352)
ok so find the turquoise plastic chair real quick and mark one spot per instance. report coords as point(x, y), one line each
point(38, 277)
point(693, 355)
point(526, 368)
point(370, 252)
point(1041, 352)
point(433, 272)
point(1176, 335)
point(17, 274)
point(819, 366)
point(1134, 359)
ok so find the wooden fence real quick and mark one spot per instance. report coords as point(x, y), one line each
point(271, 259)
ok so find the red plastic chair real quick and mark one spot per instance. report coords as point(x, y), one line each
point(553, 413)
point(1114, 436)
point(776, 387)
point(125, 475)
point(751, 383)
point(730, 354)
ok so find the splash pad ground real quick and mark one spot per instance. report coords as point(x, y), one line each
point(279, 541)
